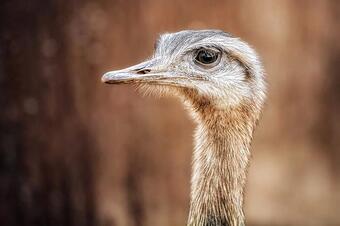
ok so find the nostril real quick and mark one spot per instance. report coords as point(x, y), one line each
point(143, 71)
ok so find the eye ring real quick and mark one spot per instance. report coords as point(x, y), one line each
point(207, 57)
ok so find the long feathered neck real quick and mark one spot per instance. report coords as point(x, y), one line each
point(220, 162)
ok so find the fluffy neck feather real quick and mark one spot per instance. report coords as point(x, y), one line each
point(221, 158)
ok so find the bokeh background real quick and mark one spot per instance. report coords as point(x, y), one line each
point(76, 152)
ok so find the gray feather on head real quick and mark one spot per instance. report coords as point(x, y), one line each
point(235, 75)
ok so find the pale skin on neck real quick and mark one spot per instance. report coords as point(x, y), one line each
point(220, 162)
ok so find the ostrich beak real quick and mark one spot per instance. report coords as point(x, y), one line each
point(147, 72)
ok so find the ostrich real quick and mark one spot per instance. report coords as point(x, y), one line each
point(220, 80)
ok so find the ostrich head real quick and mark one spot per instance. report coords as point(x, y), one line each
point(220, 79)
point(203, 67)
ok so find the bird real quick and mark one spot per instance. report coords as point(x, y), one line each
point(221, 81)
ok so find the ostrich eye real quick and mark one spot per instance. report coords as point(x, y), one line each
point(206, 57)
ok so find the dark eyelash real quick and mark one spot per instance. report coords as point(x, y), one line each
point(196, 49)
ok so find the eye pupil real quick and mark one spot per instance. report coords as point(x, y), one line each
point(206, 57)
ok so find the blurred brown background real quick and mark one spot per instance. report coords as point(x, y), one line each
point(76, 152)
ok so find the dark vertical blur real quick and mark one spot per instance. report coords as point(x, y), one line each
point(329, 102)
point(76, 152)
point(46, 150)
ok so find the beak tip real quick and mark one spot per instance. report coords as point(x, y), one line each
point(105, 78)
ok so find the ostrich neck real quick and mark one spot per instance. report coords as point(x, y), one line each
point(220, 162)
